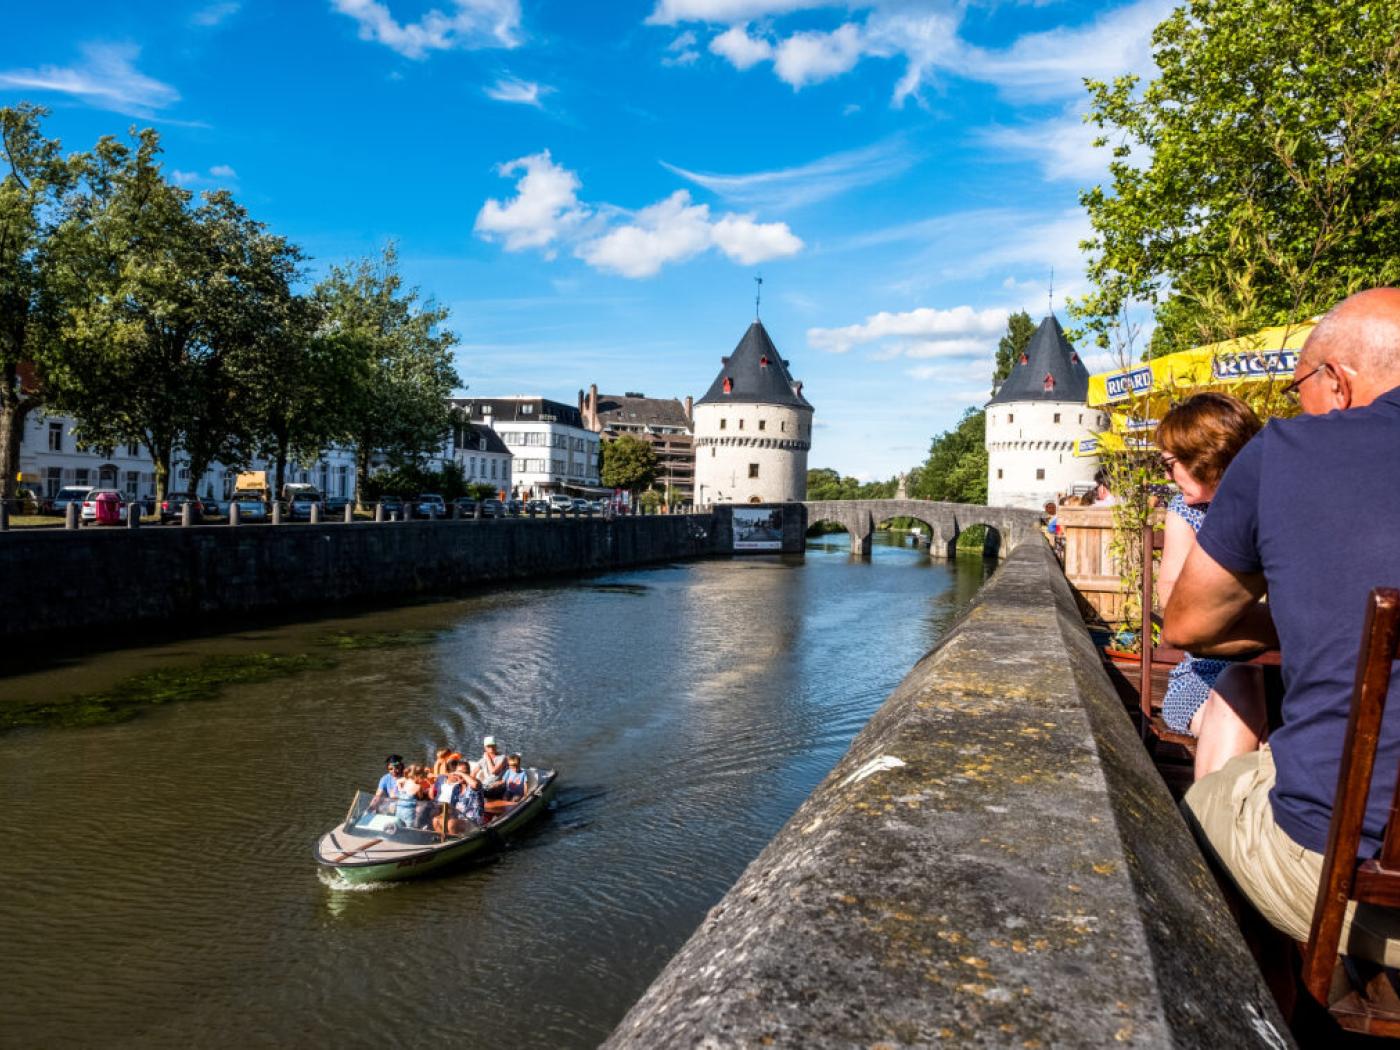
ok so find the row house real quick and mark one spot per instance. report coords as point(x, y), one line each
point(666, 424)
point(550, 448)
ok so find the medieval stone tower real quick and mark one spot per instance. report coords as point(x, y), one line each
point(753, 429)
point(1034, 420)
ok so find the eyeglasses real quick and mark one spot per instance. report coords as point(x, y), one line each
point(1169, 462)
point(1291, 390)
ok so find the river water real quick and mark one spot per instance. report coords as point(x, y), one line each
point(158, 884)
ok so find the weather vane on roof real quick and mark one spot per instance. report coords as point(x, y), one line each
point(758, 294)
point(1051, 294)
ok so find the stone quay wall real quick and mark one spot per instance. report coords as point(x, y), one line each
point(995, 862)
point(58, 581)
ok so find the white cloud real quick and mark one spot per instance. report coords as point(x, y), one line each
point(925, 332)
point(223, 171)
point(740, 49)
point(545, 206)
point(1063, 146)
point(525, 92)
point(683, 52)
point(808, 183)
point(184, 178)
point(472, 24)
point(106, 78)
point(214, 14)
point(670, 12)
point(637, 244)
point(805, 58)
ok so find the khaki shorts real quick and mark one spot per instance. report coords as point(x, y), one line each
point(1233, 814)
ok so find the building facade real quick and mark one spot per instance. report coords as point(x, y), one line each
point(1034, 420)
point(482, 455)
point(753, 428)
point(550, 448)
point(50, 458)
point(663, 423)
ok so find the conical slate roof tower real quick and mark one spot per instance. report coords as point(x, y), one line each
point(753, 428)
point(1049, 370)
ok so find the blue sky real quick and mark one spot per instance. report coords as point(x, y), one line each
point(591, 187)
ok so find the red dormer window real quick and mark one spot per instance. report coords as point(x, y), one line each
point(1024, 359)
point(763, 361)
point(1073, 358)
point(1049, 382)
point(728, 385)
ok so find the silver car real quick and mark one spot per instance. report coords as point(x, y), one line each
point(250, 508)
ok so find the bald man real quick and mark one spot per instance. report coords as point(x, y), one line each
point(1309, 512)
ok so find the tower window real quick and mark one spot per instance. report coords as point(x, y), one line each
point(1024, 359)
point(712, 452)
point(763, 424)
point(1011, 417)
point(782, 427)
point(741, 424)
point(728, 385)
point(723, 424)
point(753, 470)
point(998, 473)
point(1057, 417)
point(1049, 382)
point(1039, 473)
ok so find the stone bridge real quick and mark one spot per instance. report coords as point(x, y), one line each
point(1007, 526)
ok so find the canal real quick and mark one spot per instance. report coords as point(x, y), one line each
point(158, 882)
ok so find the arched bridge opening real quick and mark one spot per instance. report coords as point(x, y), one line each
point(943, 523)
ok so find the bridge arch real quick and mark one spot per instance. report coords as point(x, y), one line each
point(1010, 526)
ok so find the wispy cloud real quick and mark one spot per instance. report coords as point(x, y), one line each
point(217, 174)
point(1063, 146)
point(223, 171)
point(682, 50)
point(106, 77)
point(472, 24)
point(546, 212)
point(524, 92)
point(807, 183)
point(214, 14)
point(926, 332)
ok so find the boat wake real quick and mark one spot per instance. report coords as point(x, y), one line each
point(332, 881)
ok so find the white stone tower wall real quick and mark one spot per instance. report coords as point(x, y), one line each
point(1025, 436)
point(731, 437)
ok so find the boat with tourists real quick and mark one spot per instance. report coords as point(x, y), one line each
point(385, 843)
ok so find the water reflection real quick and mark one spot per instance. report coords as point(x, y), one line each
point(166, 893)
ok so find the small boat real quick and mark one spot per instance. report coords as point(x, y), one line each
point(371, 846)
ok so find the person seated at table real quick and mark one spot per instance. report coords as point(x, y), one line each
point(383, 800)
point(489, 768)
point(1103, 495)
point(1309, 511)
point(514, 783)
point(1219, 702)
point(461, 792)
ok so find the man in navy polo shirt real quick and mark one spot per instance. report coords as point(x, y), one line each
point(1309, 511)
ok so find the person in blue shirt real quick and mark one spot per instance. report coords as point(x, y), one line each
point(1309, 512)
point(383, 801)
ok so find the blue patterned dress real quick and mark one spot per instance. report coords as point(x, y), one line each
point(1190, 681)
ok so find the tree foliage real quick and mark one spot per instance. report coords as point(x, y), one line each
point(1019, 329)
point(823, 483)
point(956, 468)
point(1270, 186)
point(628, 463)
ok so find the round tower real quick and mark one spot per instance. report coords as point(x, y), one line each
point(753, 429)
point(1034, 420)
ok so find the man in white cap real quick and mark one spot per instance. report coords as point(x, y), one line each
point(490, 767)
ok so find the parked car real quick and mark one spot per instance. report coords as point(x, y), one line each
point(173, 505)
point(465, 507)
point(491, 508)
point(300, 504)
point(514, 507)
point(536, 506)
point(69, 494)
point(430, 505)
point(391, 505)
point(596, 506)
point(335, 506)
point(560, 503)
point(90, 500)
point(251, 507)
point(580, 504)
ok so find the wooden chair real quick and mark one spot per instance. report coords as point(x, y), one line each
point(1362, 997)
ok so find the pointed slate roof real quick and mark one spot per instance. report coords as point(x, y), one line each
point(757, 375)
point(1052, 370)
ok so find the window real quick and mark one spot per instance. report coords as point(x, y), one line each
point(1081, 417)
point(1057, 417)
point(55, 437)
point(53, 481)
point(783, 427)
point(712, 453)
point(753, 470)
point(763, 424)
point(133, 450)
point(80, 476)
point(1011, 417)
point(493, 469)
point(1039, 473)
point(526, 410)
point(561, 441)
point(998, 473)
point(741, 424)
point(723, 423)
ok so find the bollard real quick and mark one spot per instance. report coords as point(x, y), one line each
point(70, 515)
point(349, 513)
point(276, 513)
point(186, 515)
point(548, 511)
point(407, 511)
point(315, 518)
point(476, 512)
point(588, 511)
point(133, 515)
point(234, 513)
point(456, 512)
point(530, 511)
point(379, 512)
point(4, 516)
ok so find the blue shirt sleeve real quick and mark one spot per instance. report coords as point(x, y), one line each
point(1230, 533)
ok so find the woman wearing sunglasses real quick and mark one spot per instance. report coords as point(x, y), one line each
point(1216, 701)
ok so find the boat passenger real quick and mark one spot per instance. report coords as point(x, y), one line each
point(461, 792)
point(513, 785)
point(490, 767)
point(444, 756)
point(1308, 512)
point(405, 801)
point(383, 801)
point(427, 785)
point(1199, 437)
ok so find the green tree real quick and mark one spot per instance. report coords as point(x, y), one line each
point(34, 197)
point(396, 358)
point(956, 468)
point(628, 463)
point(1019, 329)
point(1254, 181)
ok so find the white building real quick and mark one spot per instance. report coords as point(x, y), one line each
point(50, 458)
point(482, 455)
point(1034, 420)
point(753, 429)
point(550, 448)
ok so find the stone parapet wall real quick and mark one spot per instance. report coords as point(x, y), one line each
point(58, 581)
point(995, 862)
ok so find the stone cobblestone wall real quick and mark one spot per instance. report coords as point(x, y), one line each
point(57, 582)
